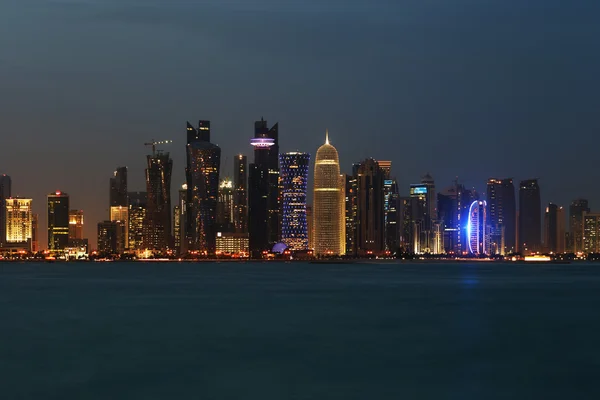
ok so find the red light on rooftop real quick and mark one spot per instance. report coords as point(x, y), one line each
point(58, 193)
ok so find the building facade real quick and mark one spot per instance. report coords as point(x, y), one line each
point(157, 225)
point(118, 188)
point(530, 214)
point(240, 196)
point(370, 222)
point(293, 170)
point(591, 232)
point(576, 210)
point(5, 193)
point(58, 221)
point(502, 215)
point(137, 219)
point(225, 206)
point(19, 221)
point(478, 229)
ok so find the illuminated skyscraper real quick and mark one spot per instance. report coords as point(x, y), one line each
point(225, 207)
point(35, 244)
point(502, 215)
point(424, 214)
point(530, 214)
point(58, 220)
point(370, 206)
point(118, 188)
point(5, 193)
point(477, 228)
point(202, 178)
point(328, 202)
point(576, 210)
point(120, 215)
point(137, 217)
point(554, 229)
point(293, 169)
point(240, 196)
point(351, 210)
point(591, 232)
point(18, 220)
point(179, 228)
point(76, 224)
point(391, 209)
point(110, 237)
point(263, 189)
point(157, 226)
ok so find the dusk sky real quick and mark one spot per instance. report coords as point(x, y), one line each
point(474, 89)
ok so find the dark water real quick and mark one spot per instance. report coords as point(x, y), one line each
point(299, 331)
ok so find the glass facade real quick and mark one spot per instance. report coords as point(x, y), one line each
point(293, 169)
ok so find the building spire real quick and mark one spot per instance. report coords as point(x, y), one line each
point(326, 136)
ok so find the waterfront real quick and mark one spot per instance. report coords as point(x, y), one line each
point(299, 330)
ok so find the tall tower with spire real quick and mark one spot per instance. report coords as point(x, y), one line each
point(328, 202)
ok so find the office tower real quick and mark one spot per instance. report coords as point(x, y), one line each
point(310, 227)
point(448, 211)
point(554, 229)
point(58, 220)
point(18, 221)
point(225, 207)
point(391, 209)
point(576, 210)
point(293, 171)
point(591, 232)
point(530, 214)
point(386, 167)
point(240, 197)
point(406, 224)
point(502, 215)
point(120, 214)
point(118, 188)
point(477, 228)
point(137, 217)
point(5, 193)
point(351, 211)
point(328, 202)
point(424, 212)
point(157, 226)
point(202, 179)
point(370, 205)
point(111, 237)
point(179, 228)
point(263, 189)
point(76, 224)
point(35, 244)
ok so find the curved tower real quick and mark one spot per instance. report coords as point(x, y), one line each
point(477, 227)
point(328, 202)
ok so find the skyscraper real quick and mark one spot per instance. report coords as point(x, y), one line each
point(502, 215)
point(293, 169)
point(554, 229)
point(118, 188)
point(202, 178)
point(477, 228)
point(157, 226)
point(58, 221)
point(120, 215)
point(576, 210)
point(328, 202)
point(370, 205)
point(240, 196)
point(263, 189)
point(35, 244)
point(110, 237)
point(76, 224)
point(591, 232)
point(179, 229)
point(424, 212)
point(351, 211)
point(530, 215)
point(391, 209)
point(18, 220)
point(5, 193)
point(225, 207)
point(137, 217)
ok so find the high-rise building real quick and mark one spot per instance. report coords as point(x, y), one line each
point(576, 210)
point(386, 167)
point(118, 188)
point(179, 228)
point(5, 193)
point(58, 221)
point(293, 170)
point(111, 237)
point(391, 209)
point(137, 217)
point(530, 214)
point(591, 232)
point(424, 212)
point(310, 226)
point(202, 176)
point(18, 220)
point(561, 235)
point(351, 211)
point(554, 229)
point(371, 212)
point(120, 214)
point(263, 189)
point(328, 202)
point(477, 228)
point(502, 215)
point(157, 226)
point(35, 244)
point(76, 224)
point(406, 225)
point(225, 206)
point(240, 196)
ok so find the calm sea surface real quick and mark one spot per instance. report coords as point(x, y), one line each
point(299, 331)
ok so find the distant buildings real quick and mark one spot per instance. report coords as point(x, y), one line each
point(530, 214)
point(576, 210)
point(157, 224)
point(111, 238)
point(58, 221)
point(370, 221)
point(502, 215)
point(76, 224)
point(554, 229)
point(426, 231)
point(293, 172)
point(328, 203)
point(225, 206)
point(118, 188)
point(240, 195)
point(137, 218)
point(591, 232)
point(19, 222)
point(478, 228)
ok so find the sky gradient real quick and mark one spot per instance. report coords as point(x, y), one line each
point(472, 89)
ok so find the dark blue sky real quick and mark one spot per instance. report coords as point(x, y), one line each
point(461, 88)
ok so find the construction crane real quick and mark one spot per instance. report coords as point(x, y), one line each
point(153, 143)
